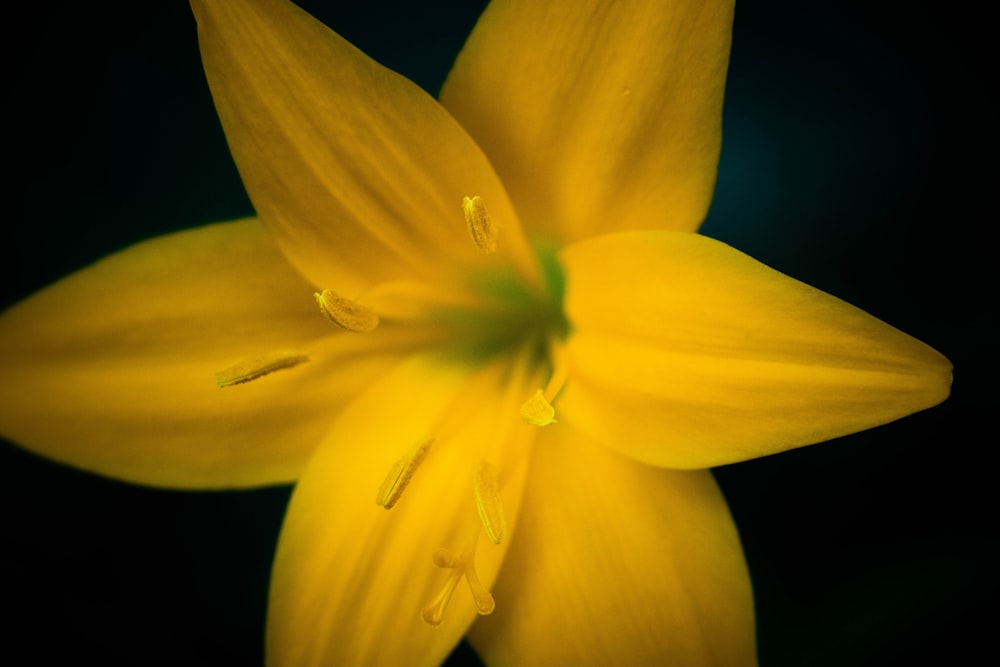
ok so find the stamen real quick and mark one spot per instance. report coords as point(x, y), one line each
point(560, 369)
point(346, 313)
point(487, 491)
point(258, 367)
point(459, 564)
point(538, 411)
point(400, 474)
point(481, 227)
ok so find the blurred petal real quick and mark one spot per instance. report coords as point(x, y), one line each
point(689, 354)
point(351, 578)
point(644, 565)
point(113, 369)
point(359, 174)
point(598, 115)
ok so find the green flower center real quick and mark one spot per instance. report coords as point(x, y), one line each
point(511, 316)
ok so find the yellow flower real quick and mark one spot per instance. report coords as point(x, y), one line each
point(541, 359)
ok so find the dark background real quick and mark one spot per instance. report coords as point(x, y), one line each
point(858, 157)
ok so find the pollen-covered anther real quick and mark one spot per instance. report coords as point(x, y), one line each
point(538, 411)
point(481, 227)
point(259, 366)
point(487, 491)
point(345, 313)
point(461, 564)
point(400, 474)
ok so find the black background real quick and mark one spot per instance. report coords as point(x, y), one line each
point(858, 157)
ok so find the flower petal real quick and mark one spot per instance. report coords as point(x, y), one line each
point(689, 354)
point(598, 116)
point(350, 578)
point(113, 369)
point(644, 564)
point(359, 174)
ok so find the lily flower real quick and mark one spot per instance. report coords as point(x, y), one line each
point(501, 417)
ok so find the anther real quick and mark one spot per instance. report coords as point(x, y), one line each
point(481, 227)
point(538, 411)
point(346, 313)
point(258, 367)
point(459, 564)
point(400, 474)
point(487, 492)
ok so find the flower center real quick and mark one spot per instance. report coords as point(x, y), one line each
point(510, 315)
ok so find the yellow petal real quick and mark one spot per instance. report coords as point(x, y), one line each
point(359, 174)
point(352, 578)
point(113, 369)
point(689, 354)
point(644, 565)
point(597, 115)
